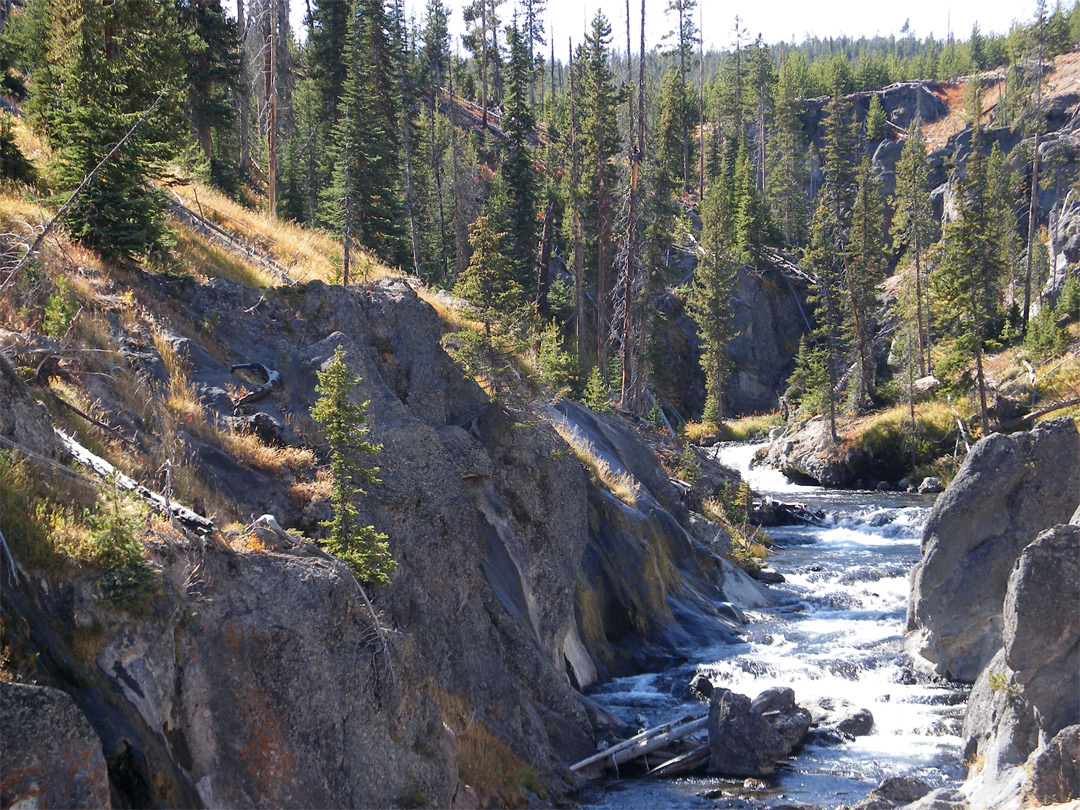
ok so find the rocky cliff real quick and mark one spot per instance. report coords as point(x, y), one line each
point(993, 600)
point(1009, 489)
point(259, 675)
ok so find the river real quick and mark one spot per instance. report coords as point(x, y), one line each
point(837, 636)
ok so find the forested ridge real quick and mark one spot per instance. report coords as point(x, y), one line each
point(559, 199)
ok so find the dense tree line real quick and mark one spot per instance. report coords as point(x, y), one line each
point(555, 197)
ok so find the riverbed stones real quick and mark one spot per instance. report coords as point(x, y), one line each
point(748, 738)
point(1008, 490)
point(51, 756)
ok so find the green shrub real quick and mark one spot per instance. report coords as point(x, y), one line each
point(60, 309)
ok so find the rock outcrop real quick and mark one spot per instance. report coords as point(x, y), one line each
point(1008, 490)
point(1027, 698)
point(749, 738)
point(259, 676)
point(50, 756)
point(770, 314)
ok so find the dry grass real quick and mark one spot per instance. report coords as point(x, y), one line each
point(450, 314)
point(308, 253)
point(196, 252)
point(485, 762)
point(621, 485)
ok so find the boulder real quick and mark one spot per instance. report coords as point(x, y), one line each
point(1030, 691)
point(1008, 490)
point(51, 756)
point(1055, 774)
point(858, 724)
point(1042, 627)
point(931, 485)
point(749, 738)
point(807, 453)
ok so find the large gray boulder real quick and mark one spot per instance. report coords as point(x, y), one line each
point(749, 738)
point(50, 756)
point(1008, 490)
point(1030, 691)
point(1042, 627)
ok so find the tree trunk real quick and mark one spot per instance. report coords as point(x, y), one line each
point(640, 376)
point(271, 124)
point(924, 348)
point(628, 396)
point(483, 69)
point(682, 112)
point(543, 270)
point(245, 146)
point(406, 141)
point(579, 254)
point(1033, 204)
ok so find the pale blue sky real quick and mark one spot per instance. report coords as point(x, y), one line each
point(776, 20)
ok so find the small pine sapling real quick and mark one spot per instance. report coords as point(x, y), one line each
point(364, 550)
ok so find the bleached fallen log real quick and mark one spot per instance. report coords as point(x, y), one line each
point(273, 380)
point(684, 763)
point(185, 516)
point(646, 742)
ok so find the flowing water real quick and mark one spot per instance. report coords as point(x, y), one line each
point(836, 637)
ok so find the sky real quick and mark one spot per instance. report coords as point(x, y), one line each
point(775, 20)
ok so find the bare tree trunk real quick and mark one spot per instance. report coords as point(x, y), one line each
point(245, 146)
point(640, 375)
point(543, 270)
point(579, 254)
point(345, 210)
point(701, 103)
point(682, 112)
point(1032, 206)
point(406, 141)
point(271, 124)
point(924, 347)
point(483, 69)
point(628, 396)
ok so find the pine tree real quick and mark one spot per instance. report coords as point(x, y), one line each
point(966, 282)
point(751, 218)
point(865, 266)
point(488, 283)
point(685, 36)
point(365, 197)
point(212, 57)
point(912, 227)
point(710, 305)
point(517, 168)
point(789, 173)
point(599, 145)
point(877, 125)
point(345, 425)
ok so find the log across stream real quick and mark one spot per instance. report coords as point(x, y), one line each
point(836, 639)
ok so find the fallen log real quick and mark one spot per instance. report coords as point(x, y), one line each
point(1013, 424)
point(273, 380)
point(684, 763)
point(182, 514)
point(646, 742)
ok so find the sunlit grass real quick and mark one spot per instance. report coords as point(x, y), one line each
point(485, 762)
point(306, 253)
point(621, 485)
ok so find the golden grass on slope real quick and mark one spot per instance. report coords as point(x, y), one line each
point(485, 762)
point(621, 485)
point(307, 253)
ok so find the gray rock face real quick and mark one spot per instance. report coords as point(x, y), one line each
point(1042, 627)
point(1055, 775)
point(1008, 490)
point(749, 738)
point(806, 453)
point(1030, 691)
point(50, 754)
point(768, 319)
